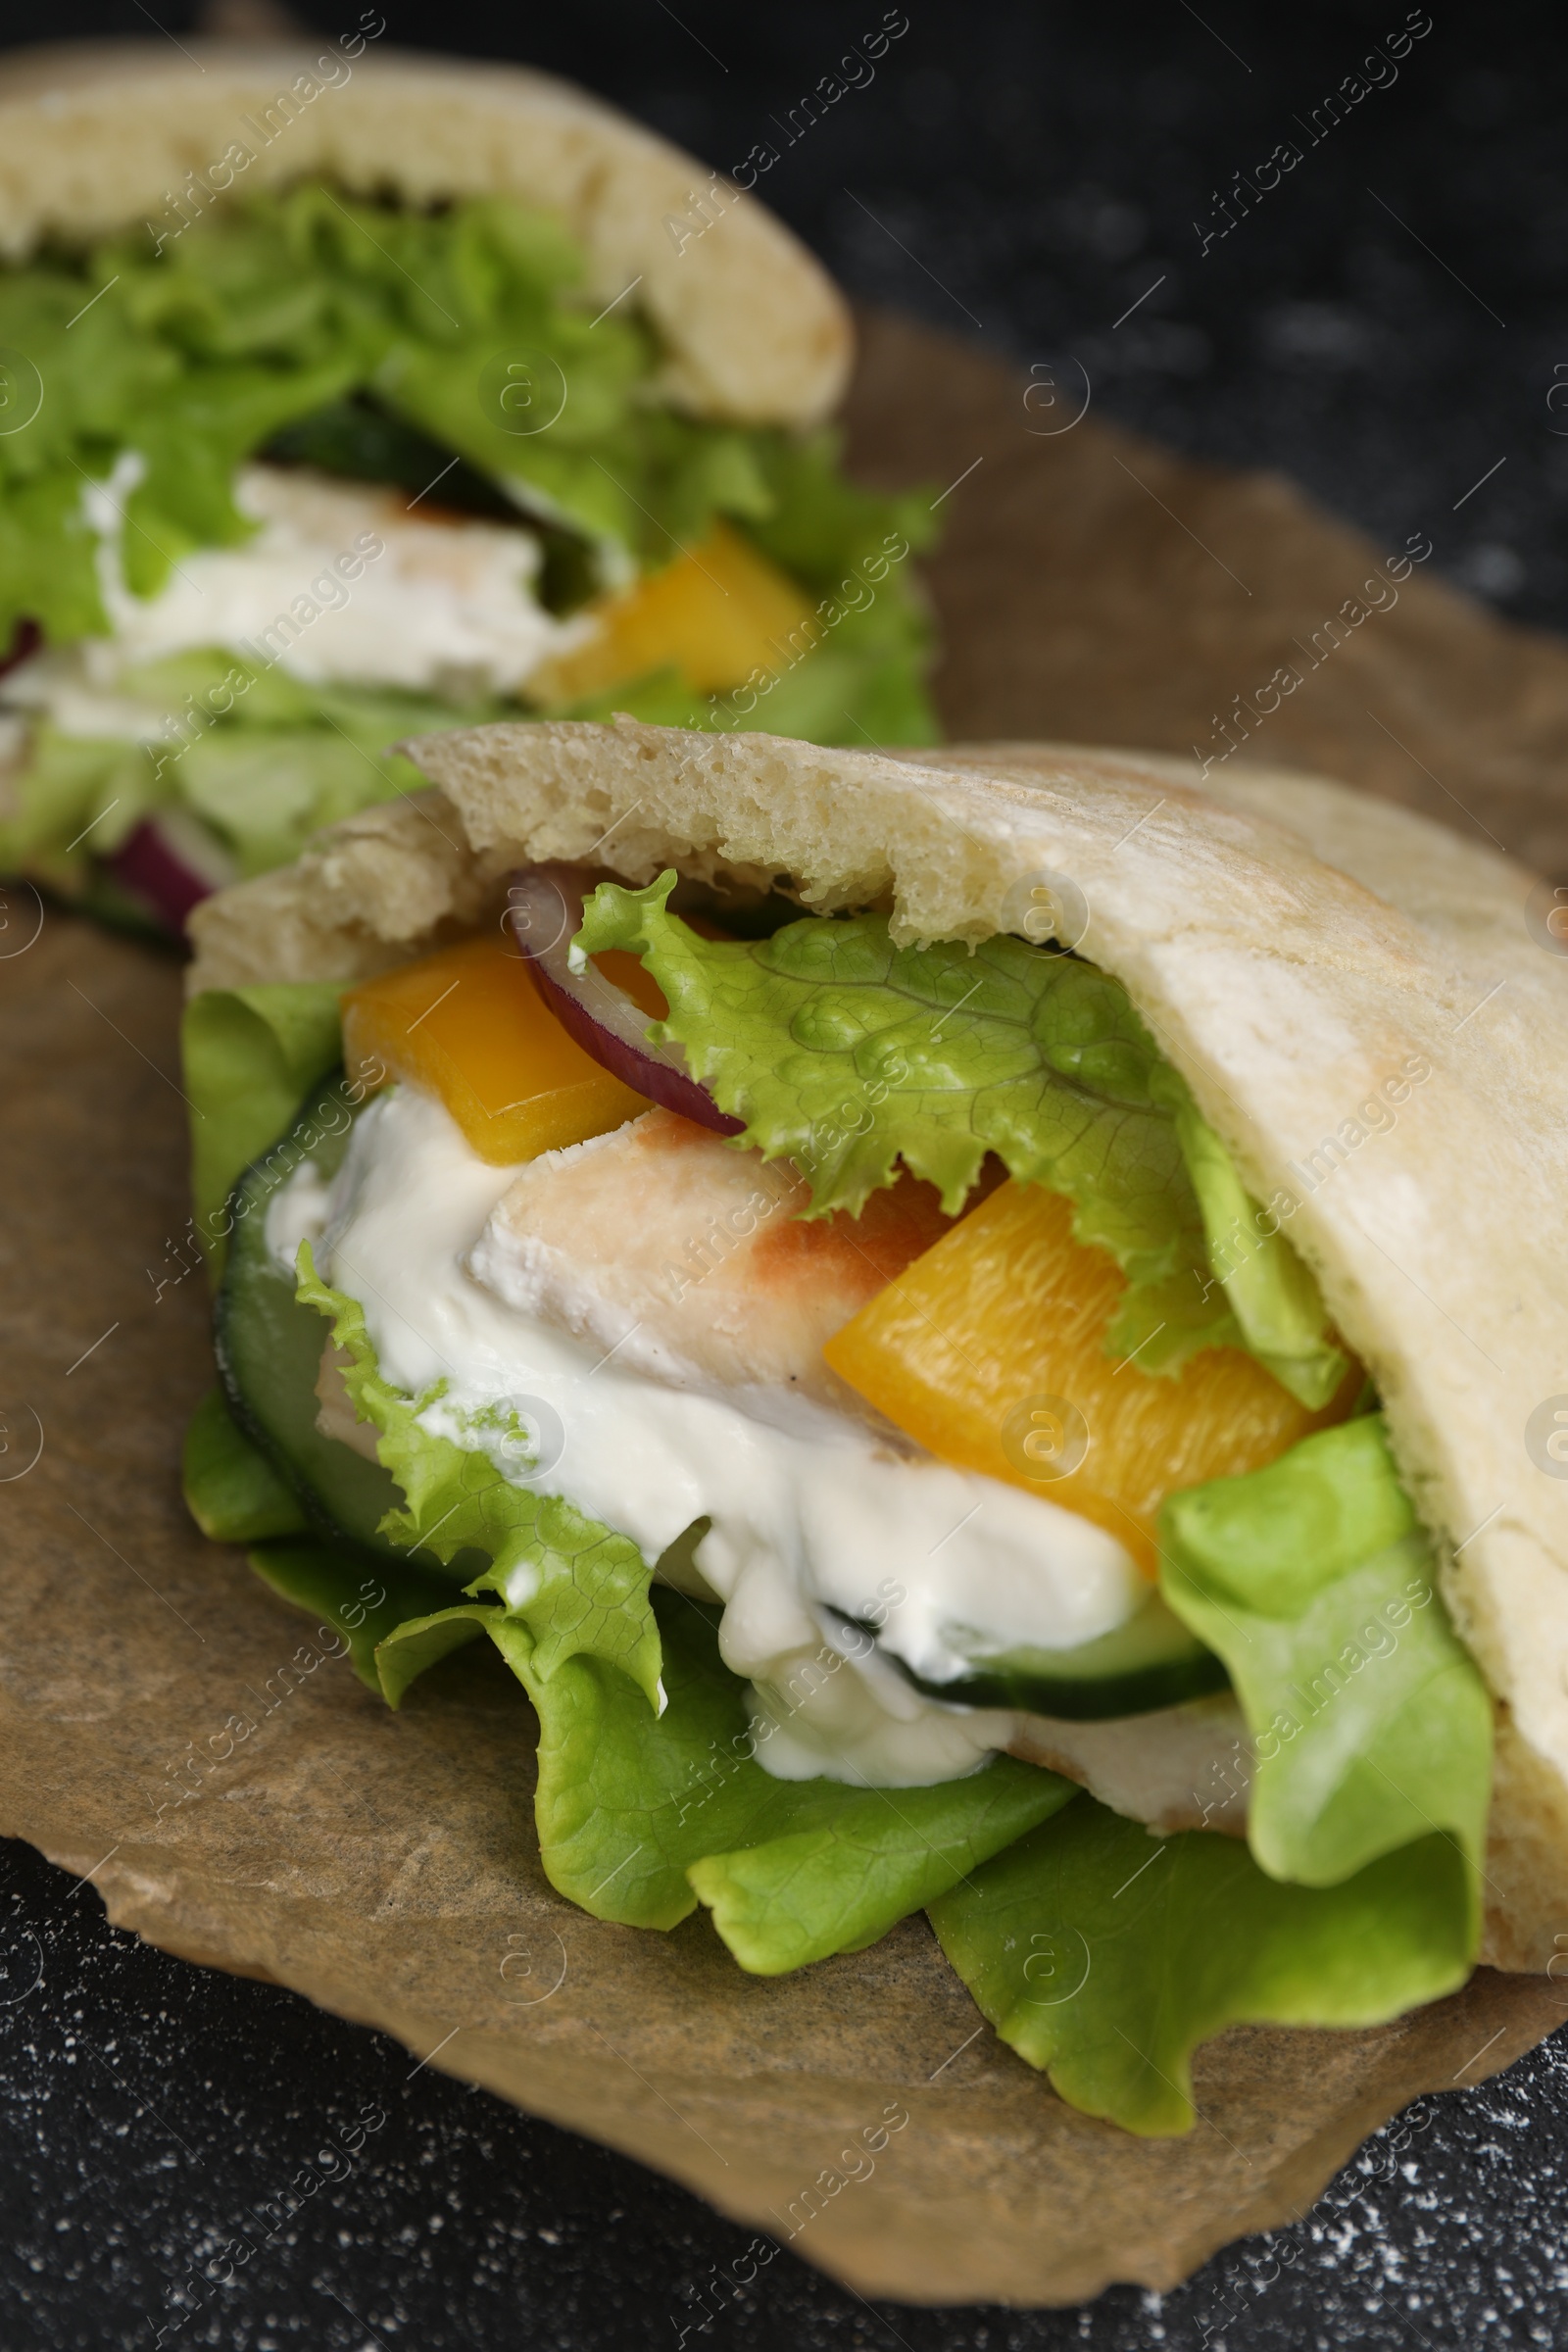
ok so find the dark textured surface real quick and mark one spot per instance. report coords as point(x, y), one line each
point(1025, 173)
point(155, 2114)
point(1384, 326)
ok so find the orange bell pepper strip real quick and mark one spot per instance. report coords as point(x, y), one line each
point(990, 1351)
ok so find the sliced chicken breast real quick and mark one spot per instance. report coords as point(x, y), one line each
point(690, 1258)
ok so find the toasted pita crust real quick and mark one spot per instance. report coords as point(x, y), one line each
point(97, 139)
point(1291, 943)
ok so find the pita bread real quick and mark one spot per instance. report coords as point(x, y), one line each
point(95, 138)
point(1291, 943)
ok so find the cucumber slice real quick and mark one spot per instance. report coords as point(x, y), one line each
point(269, 1346)
point(1151, 1661)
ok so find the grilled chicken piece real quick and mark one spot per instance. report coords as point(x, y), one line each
point(690, 1258)
point(1183, 1768)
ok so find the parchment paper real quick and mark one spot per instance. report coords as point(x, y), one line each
point(172, 1730)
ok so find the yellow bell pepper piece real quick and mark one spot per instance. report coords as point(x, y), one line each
point(469, 1025)
point(716, 614)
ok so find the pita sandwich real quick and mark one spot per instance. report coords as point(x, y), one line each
point(981, 1328)
point(346, 395)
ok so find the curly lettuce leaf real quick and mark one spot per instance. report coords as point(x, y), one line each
point(300, 326)
point(286, 307)
point(639, 1817)
point(196, 355)
point(128, 379)
point(48, 552)
point(578, 1587)
point(1313, 1580)
point(1106, 1956)
point(820, 526)
point(281, 759)
point(846, 1055)
point(864, 679)
point(73, 799)
point(635, 477)
point(285, 757)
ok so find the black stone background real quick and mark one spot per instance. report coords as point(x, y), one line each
point(1385, 327)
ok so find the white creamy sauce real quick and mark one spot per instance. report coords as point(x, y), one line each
point(59, 685)
point(340, 583)
point(813, 1517)
point(297, 1213)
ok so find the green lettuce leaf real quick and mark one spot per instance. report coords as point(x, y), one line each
point(285, 758)
point(410, 1648)
point(1313, 1580)
point(285, 307)
point(644, 1762)
point(360, 336)
point(1277, 1304)
point(263, 792)
point(846, 1055)
point(281, 304)
point(282, 760)
point(48, 554)
point(640, 1816)
point(126, 379)
point(231, 1490)
point(249, 1055)
point(863, 681)
point(579, 1585)
point(823, 528)
point(70, 801)
point(270, 700)
point(635, 476)
point(1106, 1956)
point(837, 1883)
point(631, 1793)
point(365, 1599)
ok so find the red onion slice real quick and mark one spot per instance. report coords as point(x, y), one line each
point(25, 639)
point(171, 862)
point(544, 907)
